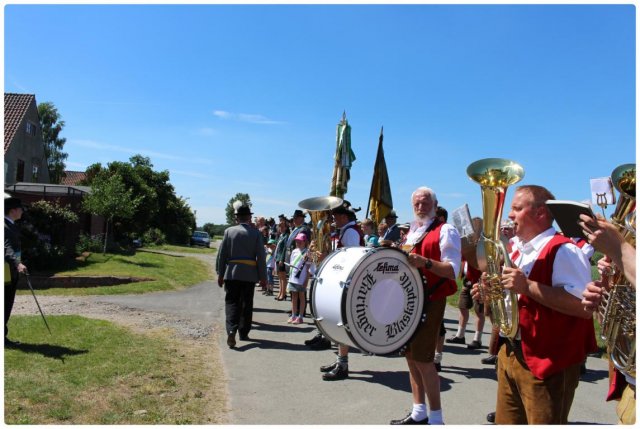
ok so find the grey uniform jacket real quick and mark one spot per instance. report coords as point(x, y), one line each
point(12, 248)
point(241, 255)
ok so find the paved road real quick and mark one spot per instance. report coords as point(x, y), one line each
point(274, 379)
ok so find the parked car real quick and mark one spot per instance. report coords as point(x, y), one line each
point(200, 238)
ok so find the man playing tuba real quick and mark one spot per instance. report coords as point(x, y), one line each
point(538, 370)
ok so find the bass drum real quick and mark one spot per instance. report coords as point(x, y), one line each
point(369, 298)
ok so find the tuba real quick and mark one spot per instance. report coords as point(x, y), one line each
point(618, 306)
point(319, 209)
point(495, 175)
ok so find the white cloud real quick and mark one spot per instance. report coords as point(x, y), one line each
point(133, 151)
point(206, 131)
point(245, 117)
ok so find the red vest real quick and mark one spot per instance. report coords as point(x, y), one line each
point(472, 274)
point(551, 341)
point(429, 247)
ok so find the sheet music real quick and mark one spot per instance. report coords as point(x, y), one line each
point(461, 219)
point(602, 192)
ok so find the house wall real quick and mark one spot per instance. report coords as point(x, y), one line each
point(28, 148)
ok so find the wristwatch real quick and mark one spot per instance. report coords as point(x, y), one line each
point(428, 264)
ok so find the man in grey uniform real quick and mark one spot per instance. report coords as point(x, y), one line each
point(241, 264)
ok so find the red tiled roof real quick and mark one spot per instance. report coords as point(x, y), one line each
point(15, 108)
point(72, 177)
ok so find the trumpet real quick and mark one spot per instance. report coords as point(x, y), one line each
point(495, 175)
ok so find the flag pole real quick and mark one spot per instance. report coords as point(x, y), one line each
point(373, 178)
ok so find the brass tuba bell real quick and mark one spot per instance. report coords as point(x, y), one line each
point(495, 175)
point(319, 209)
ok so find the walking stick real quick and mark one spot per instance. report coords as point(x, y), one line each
point(26, 274)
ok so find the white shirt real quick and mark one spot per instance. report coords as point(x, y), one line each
point(298, 265)
point(449, 241)
point(349, 237)
point(571, 268)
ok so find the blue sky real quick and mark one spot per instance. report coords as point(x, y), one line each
point(246, 98)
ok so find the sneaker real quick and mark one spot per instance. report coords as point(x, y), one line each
point(489, 360)
point(474, 345)
point(337, 373)
point(297, 321)
point(455, 340)
point(291, 319)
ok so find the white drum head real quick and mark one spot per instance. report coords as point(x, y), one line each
point(382, 307)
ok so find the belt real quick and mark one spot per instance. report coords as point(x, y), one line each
point(250, 262)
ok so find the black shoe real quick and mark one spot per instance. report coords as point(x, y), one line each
point(337, 373)
point(474, 345)
point(491, 417)
point(455, 340)
point(328, 368)
point(322, 344)
point(313, 340)
point(438, 366)
point(583, 369)
point(231, 340)
point(409, 421)
point(489, 360)
point(245, 337)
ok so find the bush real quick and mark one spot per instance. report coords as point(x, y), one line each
point(43, 240)
point(87, 243)
point(153, 237)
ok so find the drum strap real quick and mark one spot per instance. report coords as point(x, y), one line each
point(429, 291)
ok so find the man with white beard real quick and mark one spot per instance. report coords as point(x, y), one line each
point(436, 252)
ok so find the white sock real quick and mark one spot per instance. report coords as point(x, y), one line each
point(435, 417)
point(437, 358)
point(460, 333)
point(478, 337)
point(419, 412)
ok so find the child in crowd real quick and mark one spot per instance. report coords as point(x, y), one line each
point(298, 277)
point(370, 236)
point(271, 265)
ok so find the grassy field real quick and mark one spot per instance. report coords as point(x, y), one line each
point(168, 273)
point(80, 376)
point(182, 249)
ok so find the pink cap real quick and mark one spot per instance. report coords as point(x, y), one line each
point(301, 237)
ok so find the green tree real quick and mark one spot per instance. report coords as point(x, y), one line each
point(52, 124)
point(109, 198)
point(213, 229)
point(159, 208)
point(230, 212)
